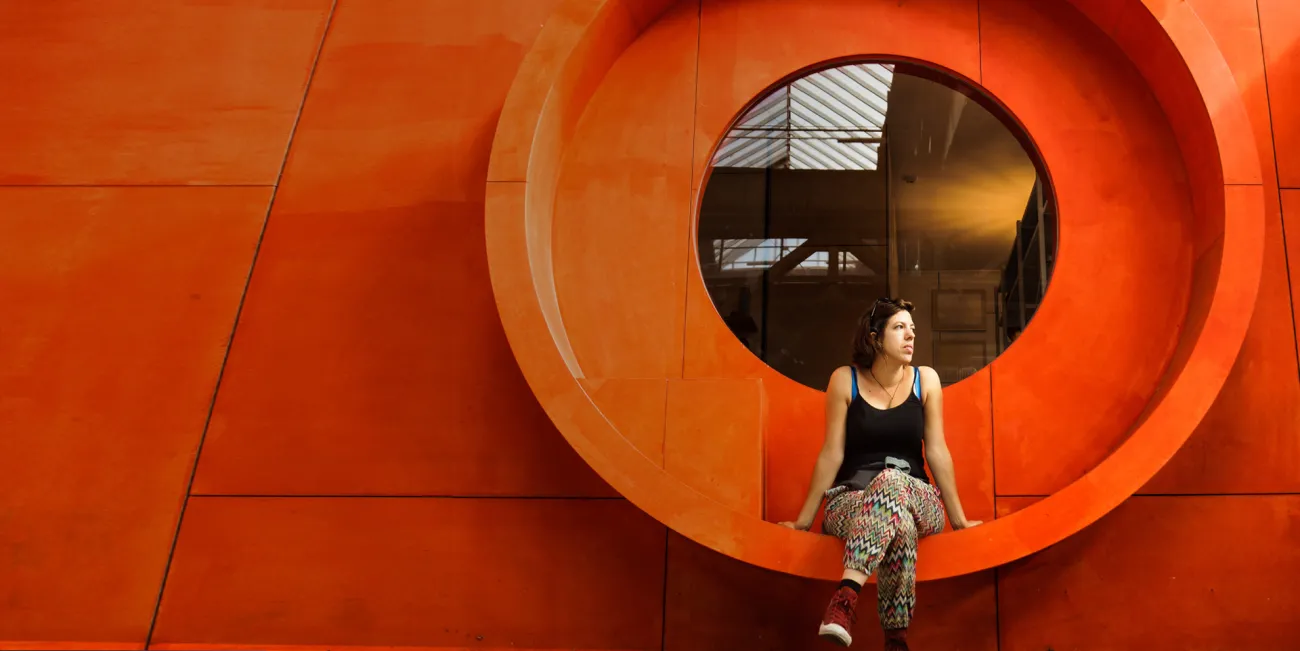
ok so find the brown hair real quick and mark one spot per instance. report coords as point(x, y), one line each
point(872, 322)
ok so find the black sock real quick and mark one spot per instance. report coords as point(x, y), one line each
point(851, 584)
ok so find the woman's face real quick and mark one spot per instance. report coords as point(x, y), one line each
point(897, 341)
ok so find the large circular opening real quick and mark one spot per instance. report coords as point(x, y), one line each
point(647, 386)
point(871, 179)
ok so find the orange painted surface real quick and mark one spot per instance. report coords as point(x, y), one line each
point(748, 46)
point(370, 358)
point(528, 573)
point(716, 602)
point(1280, 22)
point(1248, 425)
point(1234, 27)
point(1057, 414)
point(1187, 107)
point(1256, 418)
point(639, 406)
point(139, 92)
point(1008, 505)
point(1189, 581)
point(373, 275)
point(118, 307)
point(713, 440)
point(792, 437)
point(579, 30)
point(630, 324)
point(1291, 224)
point(968, 430)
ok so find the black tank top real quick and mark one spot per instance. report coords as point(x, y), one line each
point(871, 434)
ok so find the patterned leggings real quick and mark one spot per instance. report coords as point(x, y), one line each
point(884, 523)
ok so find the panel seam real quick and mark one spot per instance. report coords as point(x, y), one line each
point(1277, 173)
point(690, 186)
point(198, 452)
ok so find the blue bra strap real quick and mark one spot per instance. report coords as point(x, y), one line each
point(916, 381)
point(853, 372)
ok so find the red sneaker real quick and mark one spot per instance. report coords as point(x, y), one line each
point(839, 617)
point(896, 639)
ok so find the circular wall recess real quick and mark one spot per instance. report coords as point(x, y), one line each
point(592, 205)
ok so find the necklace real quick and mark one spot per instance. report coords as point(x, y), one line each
point(890, 404)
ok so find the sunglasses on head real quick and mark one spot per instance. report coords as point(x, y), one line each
point(875, 305)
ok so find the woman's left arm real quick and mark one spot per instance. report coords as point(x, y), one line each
point(936, 449)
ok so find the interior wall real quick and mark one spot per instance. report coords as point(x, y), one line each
point(802, 314)
point(809, 320)
point(254, 390)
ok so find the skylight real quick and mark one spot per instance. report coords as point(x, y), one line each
point(829, 120)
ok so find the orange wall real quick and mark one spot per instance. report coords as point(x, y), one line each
point(371, 468)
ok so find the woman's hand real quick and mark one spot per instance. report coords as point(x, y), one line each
point(936, 450)
point(796, 525)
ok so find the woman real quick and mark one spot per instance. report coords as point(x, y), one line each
point(884, 421)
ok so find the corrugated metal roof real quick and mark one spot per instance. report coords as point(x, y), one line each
point(829, 120)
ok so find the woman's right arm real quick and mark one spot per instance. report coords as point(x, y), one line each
point(832, 454)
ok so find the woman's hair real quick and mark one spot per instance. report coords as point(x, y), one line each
point(871, 322)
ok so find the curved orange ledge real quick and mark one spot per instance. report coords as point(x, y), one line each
point(558, 77)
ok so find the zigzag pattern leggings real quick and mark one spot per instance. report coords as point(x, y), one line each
point(880, 527)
